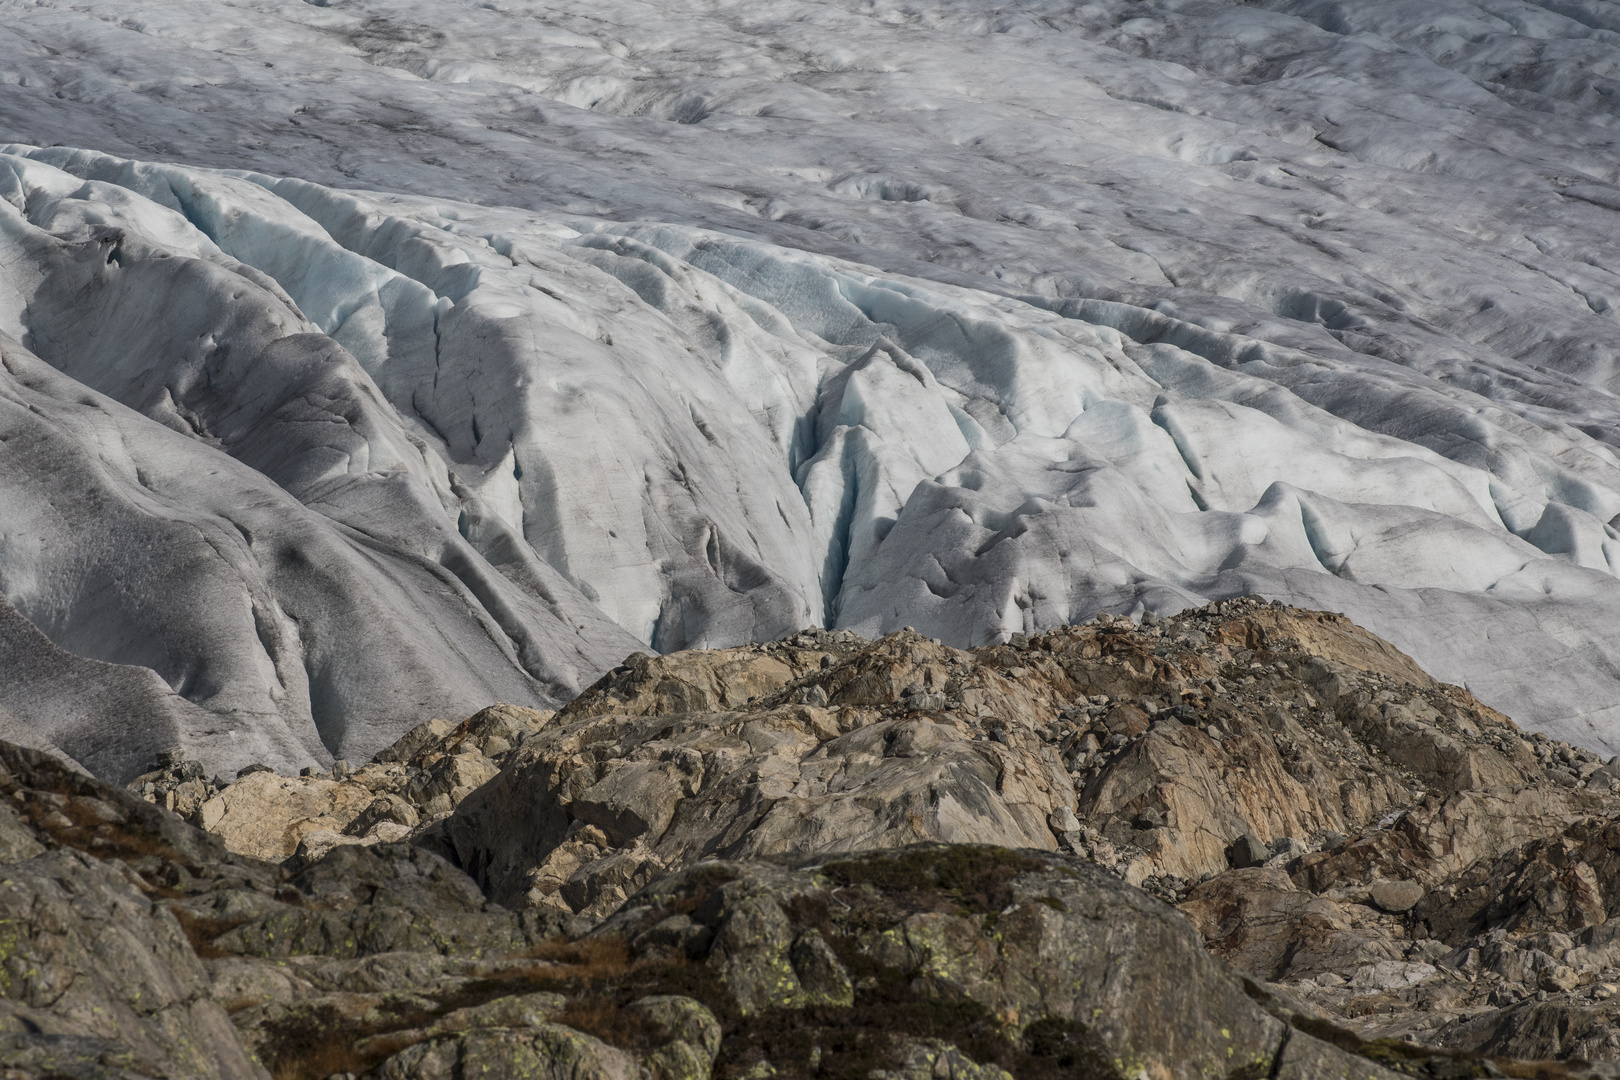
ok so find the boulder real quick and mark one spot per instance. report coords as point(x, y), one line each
point(1267, 927)
point(96, 976)
point(545, 1052)
point(88, 957)
point(1395, 896)
point(425, 774)
point(419, 738)
point(1563, 1027)
point(1246, 851)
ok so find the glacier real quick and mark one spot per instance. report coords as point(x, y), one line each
point(368, 360)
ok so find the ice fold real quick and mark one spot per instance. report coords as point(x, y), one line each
point(320, 463)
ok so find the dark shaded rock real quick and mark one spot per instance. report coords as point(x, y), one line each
point(1305, 1057)
point(1246, 851)
point(386, 875)
point(946, 946)
point(1557, 1029)
point(548, 1052)
point(95, 979)
point(70, 1057)
point(359, 901)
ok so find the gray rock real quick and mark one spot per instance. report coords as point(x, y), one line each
point(1395, 897)
point(752, 945)
point(975, 927)
point(677, 933)
point(673, 1016)
point(933, 1059)
point(96, 974)
point(1305, 1057)
point(1287, 847)
point(601, 800)
point(1390, 975)
point(1246, 851)
point(684, 1033)
point(17, 839)
point(547, 1052)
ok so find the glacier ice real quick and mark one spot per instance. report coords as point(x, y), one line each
point(376, 359)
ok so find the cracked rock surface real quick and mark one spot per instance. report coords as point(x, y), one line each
point(1250, 837)
point(147, 958)
point(1329, 817)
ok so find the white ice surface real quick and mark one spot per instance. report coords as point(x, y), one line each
point(399, 356)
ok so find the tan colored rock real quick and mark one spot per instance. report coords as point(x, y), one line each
point(1356, 775)
point(317, 843)
point(414, 741)
point(588, 808)
point(1261, 923)
point(423, 775)
point(385, 809)
point(492, 732)
point(1206, 803)
point(1440, 838)
point(695, 681)
point(266, 816)
point(448, 779)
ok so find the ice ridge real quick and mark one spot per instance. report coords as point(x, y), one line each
point(974, 322)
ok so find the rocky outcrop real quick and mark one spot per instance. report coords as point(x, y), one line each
point(421, 777)
point(960, 959)
point(97, 976)
point(1396, 870)
point(135, 945)
point(615, 790)
point(1329, 817)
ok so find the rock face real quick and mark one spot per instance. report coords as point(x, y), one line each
point(422, 776)
point(630, 779)
point(1399, 873)
point(1329, 817)
point(137, 946)
point(1001, 957)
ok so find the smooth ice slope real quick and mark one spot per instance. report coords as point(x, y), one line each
point(692, 323)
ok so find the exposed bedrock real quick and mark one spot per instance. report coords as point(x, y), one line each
point(797, 857)
point(175, 958)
